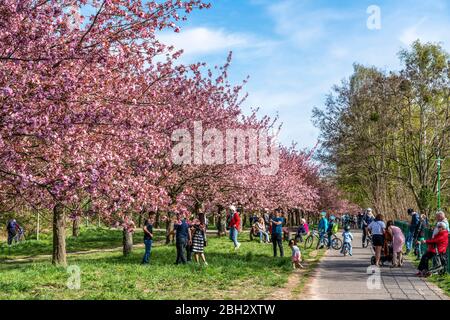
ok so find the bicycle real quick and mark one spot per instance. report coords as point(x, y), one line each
point(19, 237)
point(346, 249)
point(336, 243)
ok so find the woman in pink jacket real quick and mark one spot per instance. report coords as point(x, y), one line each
point(398, 240)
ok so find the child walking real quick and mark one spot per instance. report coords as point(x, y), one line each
point(296, 254)
point(347, 237)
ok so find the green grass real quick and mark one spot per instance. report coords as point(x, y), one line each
point(249, 273)
point(90, 238)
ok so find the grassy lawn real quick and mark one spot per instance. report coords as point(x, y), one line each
point(250, 273)
point(90, 238)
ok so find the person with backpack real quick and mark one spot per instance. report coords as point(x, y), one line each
point(415, 220)
point(332, 229)
point(323, 227)
point(235, 226)
point(12, 227)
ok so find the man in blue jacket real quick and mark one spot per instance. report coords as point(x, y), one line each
point(323, 227)
point(415, 220)
point(183, 239)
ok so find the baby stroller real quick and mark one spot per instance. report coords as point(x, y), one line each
point(387, 253)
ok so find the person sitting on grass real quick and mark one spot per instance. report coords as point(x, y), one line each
point(296, 254)
point(198, 231)
point(148, 238)
point(347, 240)
point(437, 245)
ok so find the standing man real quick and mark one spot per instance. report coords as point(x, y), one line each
point(148, 238)
point(323, 227)
point(183, 239)
point(12, 227)
point(415, 219)
point(266, 219)
point(277, 233)
point(235, 226)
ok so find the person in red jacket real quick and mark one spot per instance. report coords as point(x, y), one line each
point(235, 226)
point(438, 243)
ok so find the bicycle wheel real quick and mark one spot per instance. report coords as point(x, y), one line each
point(309, 242)
point(336, 244)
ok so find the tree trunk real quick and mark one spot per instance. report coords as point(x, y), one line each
point(168, 228)
point(158, 216)
point(59, 236)
point(127, 242)
point(76, 227)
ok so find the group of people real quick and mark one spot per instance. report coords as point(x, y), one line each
point(388, 239)
point(190, 239)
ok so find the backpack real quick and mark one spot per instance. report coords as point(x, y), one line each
point(229, 217)
point(11, 226)
point(335, 228)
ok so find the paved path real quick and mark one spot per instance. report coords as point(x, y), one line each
point(346, 278)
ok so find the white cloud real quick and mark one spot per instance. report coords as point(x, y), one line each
point(201, 40)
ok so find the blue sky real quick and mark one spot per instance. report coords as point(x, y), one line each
point(295, 50)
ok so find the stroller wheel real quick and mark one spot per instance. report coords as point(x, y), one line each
point(373, 260)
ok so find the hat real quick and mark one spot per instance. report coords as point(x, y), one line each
point(323, 214)
point(441, 224)
point(233, 208)
point(369, 209)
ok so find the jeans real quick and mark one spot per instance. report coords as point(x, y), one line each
point(10, 237)
point(148, 249)
point(329, 240)
point(410, 239)
point(364, 236)
point(321, 238)
point(181, 245)
point(424, 261)
point(349, 246)
point(265, 234)
point(234, 236)
point(299, 236)
point(277, 239)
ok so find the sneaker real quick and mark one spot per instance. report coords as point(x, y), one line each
point(419, 274)
point(237, 247)
point(206, 263)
